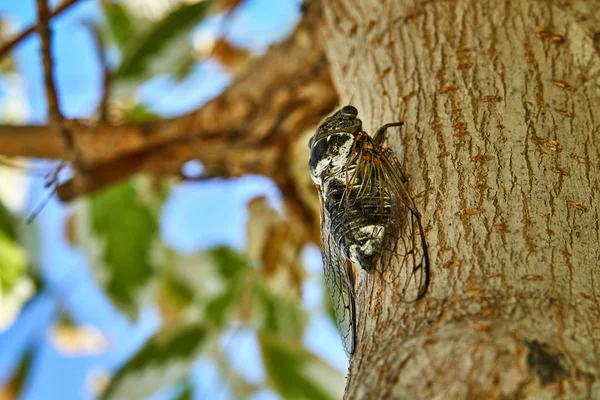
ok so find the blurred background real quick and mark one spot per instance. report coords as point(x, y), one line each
point(162, 289)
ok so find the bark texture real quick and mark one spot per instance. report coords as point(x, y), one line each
point(501, 146)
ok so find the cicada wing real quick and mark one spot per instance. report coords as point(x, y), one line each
point(405, 243)
point(339, 283)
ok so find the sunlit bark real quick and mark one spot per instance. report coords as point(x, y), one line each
point(501, 146)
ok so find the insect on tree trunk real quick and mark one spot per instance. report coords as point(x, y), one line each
point(501, 148)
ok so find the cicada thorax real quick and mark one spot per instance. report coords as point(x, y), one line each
point(359, 204)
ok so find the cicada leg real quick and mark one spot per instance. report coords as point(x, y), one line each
point(379, 136)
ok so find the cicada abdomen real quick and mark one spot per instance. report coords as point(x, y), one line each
point(360, 213)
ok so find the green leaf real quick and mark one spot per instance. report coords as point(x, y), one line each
point(128, 228)
point(281, 316)
point(233, 267)
point(214, 279)
point(295, 373)
point(184, 65)
point(7, 223)
point(13, 263)
point(230, 263)
point(164, 36)
point(120, 22)
point(179, 289)
point(218, 310)
point(140, 113)
point(164, 360)
point(186, 394)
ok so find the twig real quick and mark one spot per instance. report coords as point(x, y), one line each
point(7, 47)
point(106, 76)
point(55, 118)
point(43, 27)
point(28, 170)
point(51, 181)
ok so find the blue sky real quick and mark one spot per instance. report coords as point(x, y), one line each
point(184, 223)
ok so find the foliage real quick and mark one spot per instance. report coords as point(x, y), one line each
point(202, 297)
point(13, 260)
point(16, 286)
point(7, 223)
point(127, 228)
point(149, 47)
point(165, 357)
point(144, 51)
point(296, 373)
point(120, 23)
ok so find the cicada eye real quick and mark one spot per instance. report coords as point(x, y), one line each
point(310, 142)
point(349, 111)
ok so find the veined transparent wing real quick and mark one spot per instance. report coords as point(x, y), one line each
point(339, 283)
point(405, 244)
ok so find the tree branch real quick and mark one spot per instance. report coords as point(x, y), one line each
point(227, 149)
point(106, 75)
point(8, 46)
point(55, 117)
point(244, 130)
point(34, 141)
point(43, 27)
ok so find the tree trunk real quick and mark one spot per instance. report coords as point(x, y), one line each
point(501, 147)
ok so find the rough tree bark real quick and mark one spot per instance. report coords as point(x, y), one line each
point(501, 104)
point(501, 147)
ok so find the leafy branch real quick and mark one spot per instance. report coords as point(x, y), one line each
point(249, 128)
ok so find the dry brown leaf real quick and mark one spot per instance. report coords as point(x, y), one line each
point(233, 58)
point(222, 5)
point(73, 340)
point(277, 245)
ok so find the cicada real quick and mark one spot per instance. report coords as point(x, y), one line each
point(368, 216)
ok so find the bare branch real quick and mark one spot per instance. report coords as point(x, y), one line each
point(55, 118)
point(43, 27)
point(8, 46)
point(247, 129)
point(51, 182)
point(106, 75)
point(225, 149)
point(33, 141)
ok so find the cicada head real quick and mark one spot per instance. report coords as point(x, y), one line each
point(332, 143)
point(344, 120)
